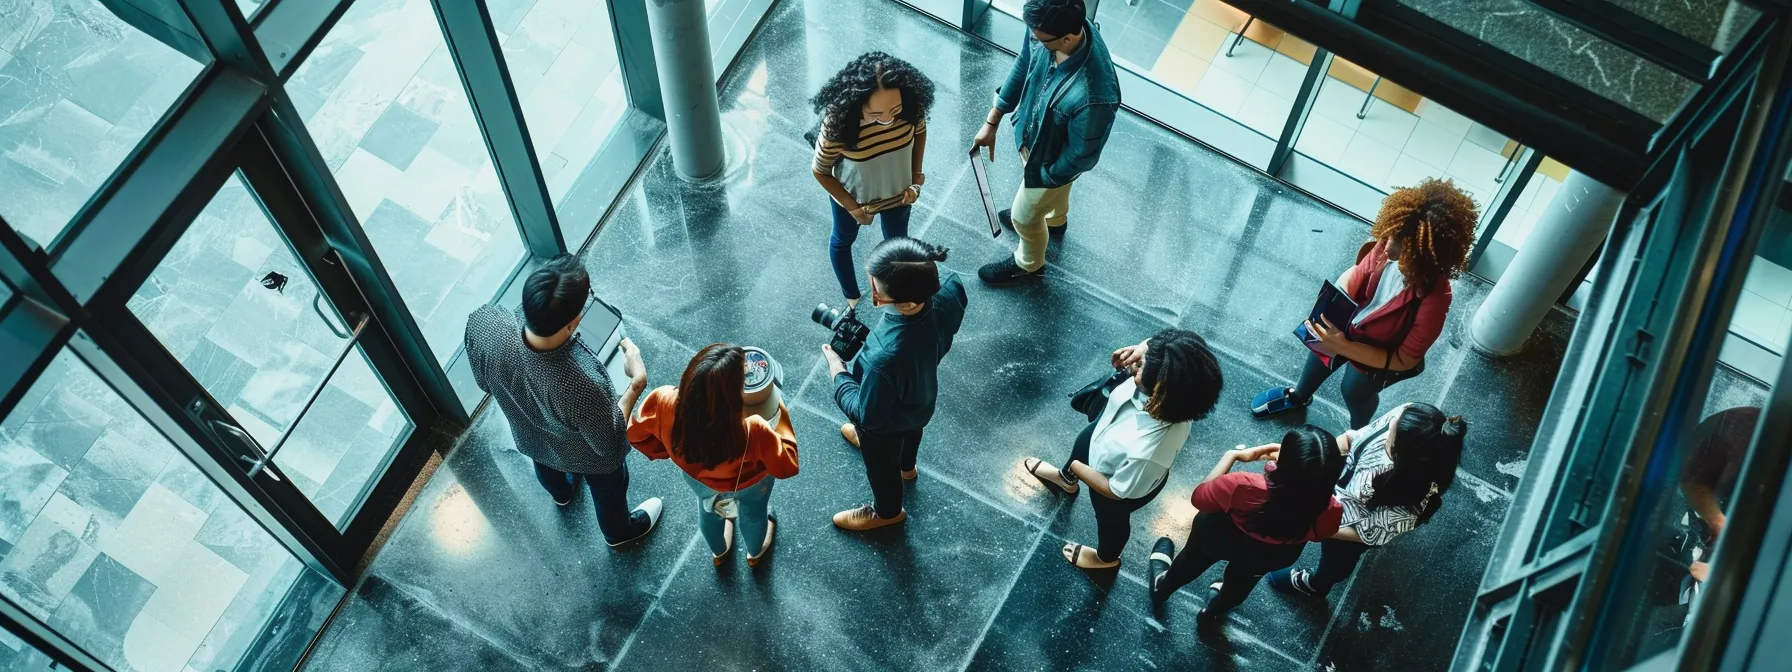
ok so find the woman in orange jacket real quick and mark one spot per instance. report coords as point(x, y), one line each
point(730, 461)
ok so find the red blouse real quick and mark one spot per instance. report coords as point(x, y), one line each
point(1383, 326)
point(1242, 493)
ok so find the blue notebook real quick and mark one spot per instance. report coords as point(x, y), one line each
point(1334, 305)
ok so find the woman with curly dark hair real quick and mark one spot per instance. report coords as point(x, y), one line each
point(1125, 454)
point(1401, 285)
point(868, 154)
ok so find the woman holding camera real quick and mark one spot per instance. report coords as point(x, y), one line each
point(1401, 285)
point(1125, 454)
point(868, 153)
point(1253, 522)
point(1396, 472)
point(730, 461)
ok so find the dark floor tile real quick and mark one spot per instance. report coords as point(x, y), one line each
point(911, 597)
point(491, 551)
point(1409, 599)
point(1060, 618)
point(398, 135)
point(1503, 400)
point(385, 626)
point(100, 609)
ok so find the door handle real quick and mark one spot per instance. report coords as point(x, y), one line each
point(258, 462)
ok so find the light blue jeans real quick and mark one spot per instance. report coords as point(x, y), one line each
point(753, 502)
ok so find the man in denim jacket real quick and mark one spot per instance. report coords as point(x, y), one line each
point(1064, 93)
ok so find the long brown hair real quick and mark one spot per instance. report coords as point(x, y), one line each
point(708, 429)
point(1435, 223)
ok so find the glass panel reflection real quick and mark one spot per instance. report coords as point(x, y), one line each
point(1388, 137)
point(1533, 34)
point(78, 89)
point(235, 306)
point(112, 537)
point(562, 58)
point(382, 100)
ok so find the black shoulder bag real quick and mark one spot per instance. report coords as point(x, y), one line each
point(1093, 397)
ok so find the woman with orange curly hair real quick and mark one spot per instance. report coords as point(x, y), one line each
point(1401, 285)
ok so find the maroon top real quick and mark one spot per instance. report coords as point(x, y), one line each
point(1382, 327)
point(1242, 493)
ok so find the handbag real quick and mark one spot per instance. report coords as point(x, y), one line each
point(1093, 397)
point(725, 504)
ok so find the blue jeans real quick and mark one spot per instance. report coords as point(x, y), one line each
point(846, 230)
point(752, 502)
point(609, 494)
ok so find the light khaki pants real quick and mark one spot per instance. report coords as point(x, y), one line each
point(1033, 210)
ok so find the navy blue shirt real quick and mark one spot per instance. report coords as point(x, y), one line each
point(894, 380)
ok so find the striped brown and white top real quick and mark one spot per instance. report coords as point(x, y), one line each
point(879, 169)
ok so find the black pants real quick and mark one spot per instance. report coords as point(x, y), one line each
point(886, 457)
point(1362, 393)
point(1215, 538)
point(1113, 517)
point(609, 493)
point(1337, 560)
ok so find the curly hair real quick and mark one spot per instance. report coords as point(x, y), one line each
point(1182, 375)
point(1435, 224)
point(841, 100)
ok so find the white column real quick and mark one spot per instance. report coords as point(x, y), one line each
point(1567, 234)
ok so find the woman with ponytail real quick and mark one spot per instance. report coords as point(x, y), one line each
point(1396, 472)
point(1255, 523)
point(730, 457)
point(1125, 454)
point(889, 392)
point(1401, 285)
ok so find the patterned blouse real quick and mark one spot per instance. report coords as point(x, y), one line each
point(560, 404)
point(1369, 457)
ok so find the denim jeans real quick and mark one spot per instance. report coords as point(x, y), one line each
point(846, 230)
point(1362, 395)
point(609, 494)
point(753, 504)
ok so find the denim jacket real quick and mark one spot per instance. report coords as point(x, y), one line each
point(1065, 114)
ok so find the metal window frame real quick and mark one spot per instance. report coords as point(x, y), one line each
point(1631, 390)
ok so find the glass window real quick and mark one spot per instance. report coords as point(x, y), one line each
point(235, 306)
point(1531, 203)
point(249, 7)
point(382, 100)
point(562, 58)
point(112, 537)
point(79, 88)
point(18, 656)
point(1388, 137)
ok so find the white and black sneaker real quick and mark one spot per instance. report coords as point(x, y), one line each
point(652, 507)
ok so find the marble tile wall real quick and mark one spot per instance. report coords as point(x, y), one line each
point(1530, 33)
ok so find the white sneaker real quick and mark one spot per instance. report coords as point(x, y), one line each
point(652, 507)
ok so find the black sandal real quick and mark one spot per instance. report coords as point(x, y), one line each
point(1049, 484)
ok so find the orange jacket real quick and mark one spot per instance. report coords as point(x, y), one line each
point(769, 450)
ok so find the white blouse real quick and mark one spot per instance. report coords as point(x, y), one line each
point(1131, 448)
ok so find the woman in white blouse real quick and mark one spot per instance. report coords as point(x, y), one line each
point(1125, 455)
point(1395, 475)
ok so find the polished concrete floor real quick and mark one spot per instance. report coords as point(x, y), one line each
point(485, 573)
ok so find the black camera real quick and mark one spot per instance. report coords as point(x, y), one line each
point(849, 332)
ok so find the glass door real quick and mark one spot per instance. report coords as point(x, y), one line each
point(114, 540)
point(287, 382)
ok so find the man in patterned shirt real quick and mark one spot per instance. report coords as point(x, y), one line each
point(563, 411)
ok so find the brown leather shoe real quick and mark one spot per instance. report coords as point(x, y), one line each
point(850, 433)
point(911, 474)
point(865, 518)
